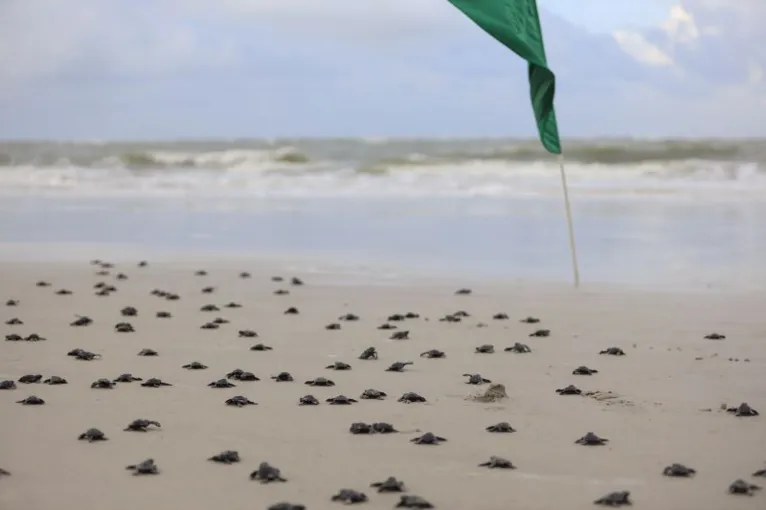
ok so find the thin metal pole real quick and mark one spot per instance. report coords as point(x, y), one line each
point(572, 248)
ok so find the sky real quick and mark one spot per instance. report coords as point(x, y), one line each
point(150, 69)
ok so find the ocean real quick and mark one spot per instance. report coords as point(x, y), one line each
point(675, 213)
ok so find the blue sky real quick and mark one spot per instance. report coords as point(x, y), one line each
point(102, 69)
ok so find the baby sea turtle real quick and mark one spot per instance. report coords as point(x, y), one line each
point(91, 435)
point(341, 400)
point(14, 322)
point(127, 378)
point(83, 355)
point(398, 366)
point(220, 320)
point(194, 365)
point(502, 427)
point(400, 335)
point(163, 315)
point(277, 279)
point(208, 290)
point(308, 400)
point(245, 376)
point(383, 428)
point(283, 377)
point(13, 337)
point(296, 281)
point(369, 353)
point(291, 311)
point(334, 326)
point(209, 325)
point(32, 400)
point(360, 428)
point(7, 385)
point(81, 321)
point(4, 472)
point(154, 382)
point(715, 336)
point(428, 438)
point(200, 272)
point(618, 498)
point(760, 472)
point(121, 276)
point(147, 467)
point(349, 497)
point(493, 393)
point(433, 354)
point(742, 487)
point(102, 384)
point(124, 327)
point(412, 501)
point(349, 317)
point(462, 292)
point(320, 381)
point(221, 383)
point(613, 351)
point(245, 275)
point(500, 317)
point(12, 302)
point(141, 425)
point(247, 333)
point(143, 263)
point(742, 410)
point(281, 292)
point(226, 457)
point(371, 394)
point(530, 320)
point(411, 315)
point(591, 439)
point(390, 484)
point(30, 378)
point(240, 401)
point(261, 347)
point(339, 365)
point(495, 462)
point(43, 283)
point(129, 311)
point(147, 352)
point(34, 337)
point(232, 304)
point(679, 470)
point(485, 349)
point(411, 397)
point(451, 318)
point(569, 390)
point(386, 326)
point(583, 370)
point(541, 333)
point(55, 380)
point(267, 473)
point(397, 317)
point(518, 348)
point(476, 379)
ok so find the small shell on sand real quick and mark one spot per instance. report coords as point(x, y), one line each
point(493, 393)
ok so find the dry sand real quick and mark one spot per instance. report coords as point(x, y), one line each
point(670, 387)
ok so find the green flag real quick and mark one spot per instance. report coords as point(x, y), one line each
point(516, 24)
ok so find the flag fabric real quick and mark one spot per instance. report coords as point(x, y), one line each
point(516, 24)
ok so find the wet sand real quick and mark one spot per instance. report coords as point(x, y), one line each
point(670, 387)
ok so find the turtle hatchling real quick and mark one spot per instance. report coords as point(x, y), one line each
point(194, 365)
point(339, 365)
point(124, 327)
point(81, 320)
point(349, 317)
point(308, 400)
point(679, 470)
point(267, 473)
point(518, 348)
point(245, 376)
point(247, 333)
point(428, 438)
point(398, 366)
point(55, 380)
point(334, 326)
point(91, 435)
point(715, 336)
point(127, 378)
point(209, 308)
point(742, 410)
point(240, 401)
point(349, 497)
point(742, 487)
point(613, 351)
point(320, 381)
point(141, 425)
point(412, 501)
point(369, 353)
point(485, 349)
point(291, 311)
point(569, 390)
point(261, 347)
point(102, 384)
point(372, 394)
point(226, 457)
point(530, 320)
point(221, 383)
point(498, 462)
point(30, 378)
point(591, 439)
point(283, 377)
point(147, 352)
point(153, 382)
point(618, 498)
point(383, 428)
point(32, 400)
point(500, 317)
point(129, 311)
point(7, 385)
point(147, 467)
point(476, 379)
point(14, 322)
point(542, 333)
point(583, 370)
point(360, 428)
point(502, 427)
point(433, 354)
point(341, 400)
point(83, 355)
point(390, 484)
point(411, 397)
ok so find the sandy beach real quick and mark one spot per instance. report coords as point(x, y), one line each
point(668, 390)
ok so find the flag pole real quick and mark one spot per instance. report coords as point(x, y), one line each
point(572, 247)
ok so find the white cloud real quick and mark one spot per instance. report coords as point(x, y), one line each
point(634, 44)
